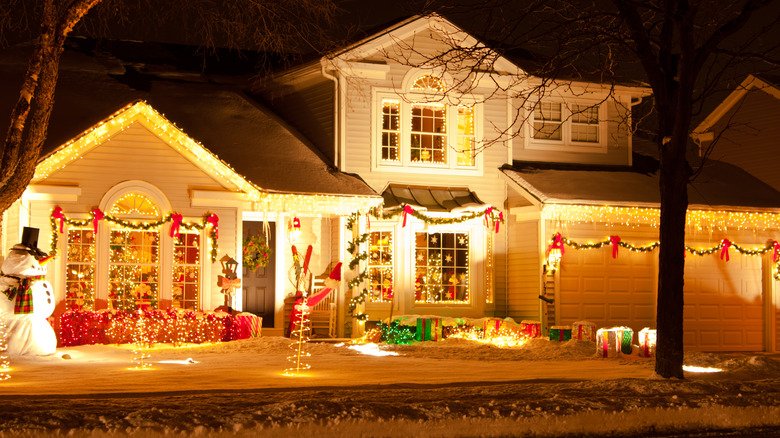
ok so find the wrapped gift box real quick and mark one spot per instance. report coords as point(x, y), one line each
point(583, 331)
point(248, 325)
point(492, 327)
point(647, 337)
point(560, 333)
point(428, 329)
point(613, 341)
point(532, 329)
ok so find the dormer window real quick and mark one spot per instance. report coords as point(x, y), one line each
point(425, 128)
point(573, 126)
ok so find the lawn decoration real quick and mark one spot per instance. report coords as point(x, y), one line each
point(560, 333)
point(531, 328)
point(583, 331)
point(230, 281)
point(647, 338)
point(300, 327)
point(428, 329)
point(27, 299)
point(614, 341)
point(5, 365)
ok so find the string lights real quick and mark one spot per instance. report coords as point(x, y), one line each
point(5, 364)
point(642, 216)
point(260, 199)
point(555, 249)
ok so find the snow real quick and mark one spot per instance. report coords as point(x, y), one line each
point(454, 387)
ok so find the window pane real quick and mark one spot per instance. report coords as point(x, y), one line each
point(429, 130)
point(466, 139)
point(133, 269)
point(585, 123)
point(442, 267)
point(80, 270)
point(186, 270)
point(428, 83)
point(134, 204)
point(547, 121)
point(380, 265)
point(391, 129)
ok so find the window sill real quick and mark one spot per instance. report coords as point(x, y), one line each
point(427, 170)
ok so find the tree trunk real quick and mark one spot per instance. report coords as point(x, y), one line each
point(671, 263)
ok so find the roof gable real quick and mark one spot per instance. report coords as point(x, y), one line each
point(748, 84)
point(381, 41)
point(142, 113)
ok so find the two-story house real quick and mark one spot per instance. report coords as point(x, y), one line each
point(448, 138)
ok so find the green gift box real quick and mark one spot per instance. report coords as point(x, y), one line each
point(428, 329)
point(560, 333)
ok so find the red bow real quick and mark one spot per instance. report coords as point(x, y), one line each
point(725, 249)
point(500, 219)
point(368, 221)
point(57, 214)
point(614, 240)
point(488, 211)
point(557, 243)
point(213, 219)
point(97, 215)
point(407, 210)
point(176, 221)
point(776, 248)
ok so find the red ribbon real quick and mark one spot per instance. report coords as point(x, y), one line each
point(725, 249)
point(488, 211)
point(614, 240)
point(407, 210)
point(57, 214)
point(368, 221)
point(213, 219)
point(605, 344)
point(560, 335)
point(579, 332)
point(646, 346)
point(557, 243)
point(97, 216)
point(500, 219)
point(176, 221)
point(776, 248)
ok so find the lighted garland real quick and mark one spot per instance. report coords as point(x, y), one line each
point(96, 215)
point(494, 215)
point(558, 241)
point(256, 252)
point(353, 247)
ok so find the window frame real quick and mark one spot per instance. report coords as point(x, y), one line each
point(394, 272)
point(566, 143)
point(405, 163)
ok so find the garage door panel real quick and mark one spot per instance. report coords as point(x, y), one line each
point(619, 284)
point(708, 338)
point(644, 312)
point(594, 312)
point(708, 312)
point(593, 284)
point(569, 311)
point(733, 312)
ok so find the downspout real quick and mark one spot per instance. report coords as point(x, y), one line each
point(336, 113)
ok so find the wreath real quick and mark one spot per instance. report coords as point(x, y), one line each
point(256, 252)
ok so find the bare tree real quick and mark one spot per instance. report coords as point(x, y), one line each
point(684, 49)
point(284, 26)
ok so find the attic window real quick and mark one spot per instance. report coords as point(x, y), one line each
point(428, 83)
point(134, 204)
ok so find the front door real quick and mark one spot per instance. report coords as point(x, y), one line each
point(258, 285)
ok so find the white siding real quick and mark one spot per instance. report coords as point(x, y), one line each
point(525, 275)
point(137, 154)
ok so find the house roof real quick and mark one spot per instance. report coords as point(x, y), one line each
point(718, 185)
point(248, 136)
point(431, 198)
point(767, 84)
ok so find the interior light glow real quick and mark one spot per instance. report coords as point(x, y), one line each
point(695, 369)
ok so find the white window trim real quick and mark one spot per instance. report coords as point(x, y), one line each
point(476, 252)
point(406, 165)
point(565, 144)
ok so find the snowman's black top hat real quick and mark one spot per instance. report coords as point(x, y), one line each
point(30, 242)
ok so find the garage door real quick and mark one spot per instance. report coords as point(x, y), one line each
point(723, 303)
point(605, 291)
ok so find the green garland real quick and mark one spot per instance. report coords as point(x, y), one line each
point(494, 214)
point(256, 252)
point(769, 246)
point(353, 246)
point(134, 226)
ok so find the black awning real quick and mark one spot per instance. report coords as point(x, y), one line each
point(430, 198)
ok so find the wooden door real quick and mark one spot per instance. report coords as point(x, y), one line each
point(258, 285)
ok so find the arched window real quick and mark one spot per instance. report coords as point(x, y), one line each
point(424, 126)
point(428, 83)
point(134, 255)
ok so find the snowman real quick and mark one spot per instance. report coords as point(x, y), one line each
point(27, 299)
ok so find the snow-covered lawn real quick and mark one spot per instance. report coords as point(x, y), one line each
point(449, 388)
